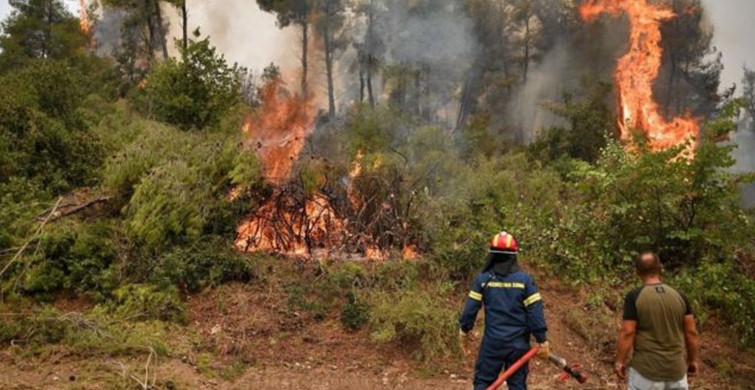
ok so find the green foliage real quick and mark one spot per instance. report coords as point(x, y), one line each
point(45, 327)
point(197, 91)
point(488, 196)
point(42, 135)
point(723, 289)
point(89, 334)
point(39, 29)
point(207, 263)
point(591, 122)
point(413, 318)
point(288, 11)
point(173, 186)
point(748, 92)
point(299, 298)
point(147, 302)
point(247, 171)
point(167, 207)
point(354, 314)
point(76, 257)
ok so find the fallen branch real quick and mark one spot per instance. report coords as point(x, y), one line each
point(31, 239)
point(70, 209)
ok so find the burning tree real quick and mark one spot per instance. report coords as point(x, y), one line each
point(303, 211)
point(637, 70)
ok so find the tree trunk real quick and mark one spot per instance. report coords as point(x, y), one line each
point(361, 84)
point(185, 25)
point(329, 70)
point(418, 93)
point(160, 29)
point(526, 45)
point(370, 95)
point(466, 102)
point(370, 60)
point(150, 28)
point(304, 52)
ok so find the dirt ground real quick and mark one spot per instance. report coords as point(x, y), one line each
point(241, 337)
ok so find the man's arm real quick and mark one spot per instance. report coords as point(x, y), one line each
point(692, 340)
point(624, 345)
point(471, 307)
point(533, 303)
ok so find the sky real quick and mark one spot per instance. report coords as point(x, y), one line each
point(246, 35)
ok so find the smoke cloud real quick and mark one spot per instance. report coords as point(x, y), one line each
point(434, 36)
point(734, 29)
point(241, 31)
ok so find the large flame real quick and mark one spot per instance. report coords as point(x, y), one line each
point(278, 130)
point(287, 222)
point(638, 69)
point(291, 221)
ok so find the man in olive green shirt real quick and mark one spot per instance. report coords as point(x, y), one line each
point(660, 327)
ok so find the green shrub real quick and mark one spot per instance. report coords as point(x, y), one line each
point(196, 91)
point(415, 318)
point(167, 207)
point(92, 333)
point(73, 256)
point(718, 287)
point(354, 313)
point(207, 263)
point(299, 298)
point(43, 327)
point(145, 302)
point(43, 137)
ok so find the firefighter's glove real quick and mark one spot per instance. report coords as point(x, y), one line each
point(545, 350)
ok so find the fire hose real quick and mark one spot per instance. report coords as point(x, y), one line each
point(569, 371)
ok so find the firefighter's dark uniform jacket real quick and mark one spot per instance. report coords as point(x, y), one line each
point(513, 312)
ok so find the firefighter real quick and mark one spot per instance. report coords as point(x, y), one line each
point(513, 312)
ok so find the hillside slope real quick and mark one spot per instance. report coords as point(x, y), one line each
point(242, 336)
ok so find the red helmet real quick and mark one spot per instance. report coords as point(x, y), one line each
point(504, 243)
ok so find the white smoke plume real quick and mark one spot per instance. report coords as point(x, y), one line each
point(241, 31)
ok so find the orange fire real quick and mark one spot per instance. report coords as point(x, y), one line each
point(289, 220)
point(638, 69)
point(355, 171)
point(278, 130)
point(84, 24)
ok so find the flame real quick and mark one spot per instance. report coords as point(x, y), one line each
point(289, 220)
point(638, 69)
point(84, 24)
point(410, 253)
point(355, 171)
point(278, 130)
point(275, 228)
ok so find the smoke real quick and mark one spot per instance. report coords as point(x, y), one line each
point(241, 31)
point(439, 35)
point(434, 37)
point(565, 53)
point(734, 29)
point(107, 33)
point(546, 82)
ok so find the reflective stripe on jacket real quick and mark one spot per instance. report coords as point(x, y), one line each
point(513, 308)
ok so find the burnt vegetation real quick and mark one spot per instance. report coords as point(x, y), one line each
point(133, 176)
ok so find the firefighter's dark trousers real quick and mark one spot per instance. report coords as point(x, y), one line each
point(495, 357)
